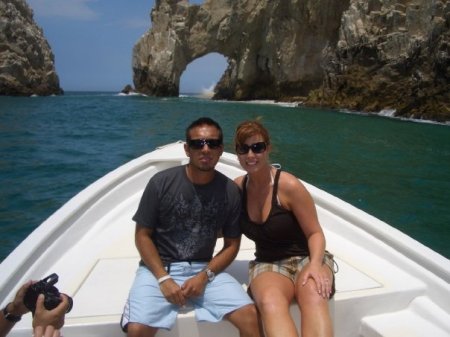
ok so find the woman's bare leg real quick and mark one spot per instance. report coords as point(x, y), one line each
point(273, 294)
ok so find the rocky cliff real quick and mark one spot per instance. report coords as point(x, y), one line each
point(26, 60)
point(365, 55)
point(391, 55)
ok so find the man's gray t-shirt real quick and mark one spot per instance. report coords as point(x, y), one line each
point(187, 218)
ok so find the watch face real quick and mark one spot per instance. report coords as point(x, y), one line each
point(10, 317)
point(210, 274)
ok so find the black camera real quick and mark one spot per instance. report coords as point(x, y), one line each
point(51, 293)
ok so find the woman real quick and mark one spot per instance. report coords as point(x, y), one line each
point(291, 262)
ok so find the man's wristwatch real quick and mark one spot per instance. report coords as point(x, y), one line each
point(210, 274)
point(10, 317)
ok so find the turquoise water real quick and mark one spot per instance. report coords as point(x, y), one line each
point(52, 147)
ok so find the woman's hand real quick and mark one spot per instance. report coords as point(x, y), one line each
point(322, 277)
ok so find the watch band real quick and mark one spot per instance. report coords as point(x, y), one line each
point(10, 317)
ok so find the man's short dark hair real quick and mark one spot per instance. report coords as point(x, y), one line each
point(204, 121)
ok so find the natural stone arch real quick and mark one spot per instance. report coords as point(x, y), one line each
point(273, 47)
point(356, 54)
point(201, 75)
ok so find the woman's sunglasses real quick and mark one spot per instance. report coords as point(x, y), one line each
point(259, 147)
point(198, 144)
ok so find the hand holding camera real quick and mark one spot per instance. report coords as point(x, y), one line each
point(52, 296)
point(46, 303)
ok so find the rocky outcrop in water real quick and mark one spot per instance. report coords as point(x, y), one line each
point(26, 60)
point(390, 55)
point(365, 55)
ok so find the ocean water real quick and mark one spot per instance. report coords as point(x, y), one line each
point(53, 147)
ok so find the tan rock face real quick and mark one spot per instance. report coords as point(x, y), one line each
point(358, 54)
point(272, 46)
point(26, 60)
point(390, 54)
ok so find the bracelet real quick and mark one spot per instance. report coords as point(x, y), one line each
point(164, 278)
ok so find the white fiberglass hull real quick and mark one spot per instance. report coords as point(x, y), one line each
point(388, 284)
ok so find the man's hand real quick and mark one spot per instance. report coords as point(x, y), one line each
point(195, 286)
point(172, 292)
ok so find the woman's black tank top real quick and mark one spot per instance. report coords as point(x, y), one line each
point(280, 236)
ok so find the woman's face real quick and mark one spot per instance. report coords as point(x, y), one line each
point(253, 153)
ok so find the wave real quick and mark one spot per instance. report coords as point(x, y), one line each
point(130, 94)
point(265, 102)
point(390, 113)
point(208, 92)
point(278, 103)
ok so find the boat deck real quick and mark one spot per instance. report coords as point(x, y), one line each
point(381, 290)
point(101, 287)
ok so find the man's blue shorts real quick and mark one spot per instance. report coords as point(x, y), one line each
point(147, 305)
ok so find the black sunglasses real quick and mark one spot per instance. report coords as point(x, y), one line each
point(198, 144)
point(259, 147)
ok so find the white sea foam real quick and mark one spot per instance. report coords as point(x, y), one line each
point(390, 113)
point(267, 102)
point(208, 92)
point(130, 94)
point(387, 112)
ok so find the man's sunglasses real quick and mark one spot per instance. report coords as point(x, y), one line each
point(198, 144)
point(259, 147)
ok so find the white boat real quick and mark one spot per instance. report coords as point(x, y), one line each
point(388, 284)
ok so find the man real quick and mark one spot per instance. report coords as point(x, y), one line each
point(180, 214)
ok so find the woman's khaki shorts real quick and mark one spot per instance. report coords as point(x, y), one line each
point(289, 267)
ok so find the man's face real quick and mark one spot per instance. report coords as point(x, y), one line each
point(204, 157)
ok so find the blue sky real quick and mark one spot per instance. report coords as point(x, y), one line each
point(92, 41)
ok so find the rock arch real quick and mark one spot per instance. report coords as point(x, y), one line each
point(202, 74)
point(273, 47)
point(364, 55)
